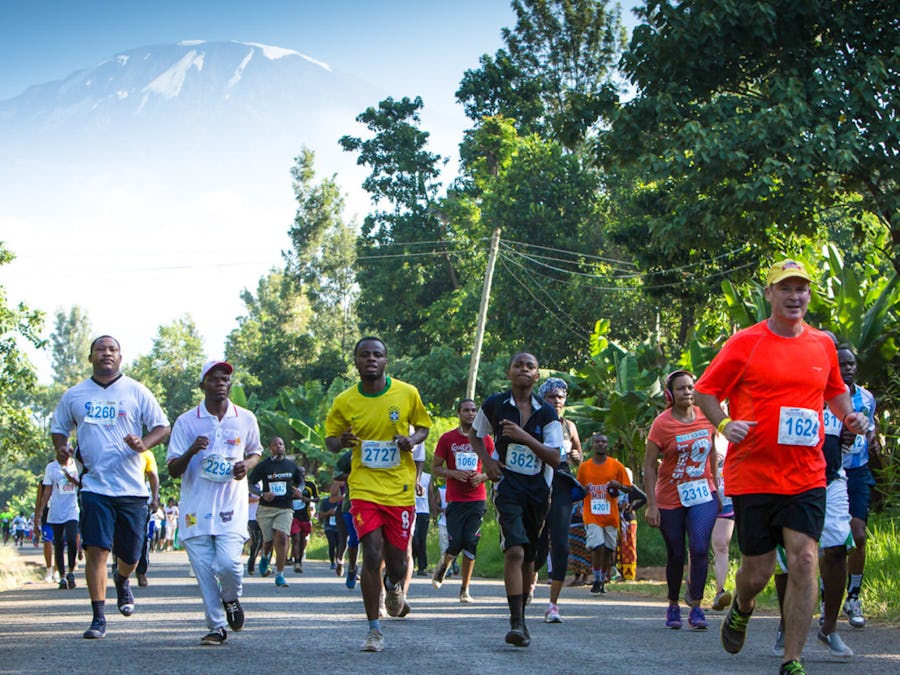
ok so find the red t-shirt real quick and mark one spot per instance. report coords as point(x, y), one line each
point(685, 448)
point(781, 384)
point(451, 444)
point(599, 507)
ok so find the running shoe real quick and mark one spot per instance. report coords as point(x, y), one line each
point(697, 619)
point(124, 597)
point(793, 667)
point(280, 582)
point(333, 566)
point(778, 647)
point(464, 596)
point(395, 602)
point(351, 578)
point(235, 614)
point(339, 569)
point(673, 616)
point(517, 634)
point(454, 568)
point(142, 579)
point(598, 588)
point(552, 615)
point(853, 610)
point(56, 576)
point(298, 568)
point(835, 645)
point(216, 637)
point(264, 570)
point(63, 586)
point(421, 573)
point(97, 629)
point(48, 578)
point(734, 629)
point(70, 580)
point(374, 642)
point(721, 601)
point(440, 571)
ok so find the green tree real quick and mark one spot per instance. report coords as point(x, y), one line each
point(172, 368)
point(70, 343)
point(753, 118)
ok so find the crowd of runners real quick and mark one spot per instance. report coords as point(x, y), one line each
point(772, 443)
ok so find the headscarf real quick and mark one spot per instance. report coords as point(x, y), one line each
point(550, 384)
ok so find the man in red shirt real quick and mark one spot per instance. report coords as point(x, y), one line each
point(777, 376)
point(456, 461)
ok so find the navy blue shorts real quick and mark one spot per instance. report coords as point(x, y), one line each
point(115, 524)
point(352, 539)
point(520, 520)
point(859, 489)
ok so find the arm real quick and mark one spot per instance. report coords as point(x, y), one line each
point(651, 455)
point(576, 455)
point(153, 478)
point(42, 499)
point(842, 408)
point(178, 465)
point(735, 430)
point(516, 433)
point(153, 438)
point(244, 466)
point(492, 468)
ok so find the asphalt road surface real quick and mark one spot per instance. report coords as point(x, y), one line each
point(316, 624)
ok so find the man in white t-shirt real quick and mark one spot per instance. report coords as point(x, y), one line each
point(60, 488)
point(110, 412)
point(211, 449)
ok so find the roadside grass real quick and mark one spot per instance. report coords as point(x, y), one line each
point(14, 570)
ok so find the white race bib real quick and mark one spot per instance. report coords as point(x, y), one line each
point(565, 450)
point(520, 459)
point(380, 454)
point(600, 506)
point(798, 426)
point(466, 461)
point(298, 505)
point(216, 468)
point(693, 493)
point(278, 488)
point(332, 521)
point(101, 412)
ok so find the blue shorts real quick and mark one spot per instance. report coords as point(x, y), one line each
point(352, 538)
point(46, 533)
point(115, 524)
point(859, 489)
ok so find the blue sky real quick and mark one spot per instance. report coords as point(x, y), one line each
point(409, 47)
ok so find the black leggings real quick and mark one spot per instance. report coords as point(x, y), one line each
point(420, 541)
point(65, 534)
point(555, 533)
point(333, 539)
point(255, 543)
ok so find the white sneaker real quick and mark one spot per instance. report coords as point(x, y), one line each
point(853, 610)
point(48, 578)
point(552, 615)
point(55, 577)
point(835, 645)
point(374, 642)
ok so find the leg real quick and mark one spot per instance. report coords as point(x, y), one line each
point(721, 538)
point(833, 568)
point(800, 597)
point(370, 576)
point(281, 548)
point(700, 521)
point(672, 528)
point(202, 554)
point(95, 572)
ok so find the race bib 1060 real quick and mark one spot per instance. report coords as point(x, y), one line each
point(798, 426)
point(521, 459)
point(380, 454)
point(466, 461)
point(694, 492)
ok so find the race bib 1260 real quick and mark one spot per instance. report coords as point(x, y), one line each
point(380, 454)
point(798, 426)
point(101, 412)
point(521, 459)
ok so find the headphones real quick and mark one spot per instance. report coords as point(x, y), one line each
point(667, 387)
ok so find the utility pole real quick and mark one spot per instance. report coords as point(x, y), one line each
point(482, 314)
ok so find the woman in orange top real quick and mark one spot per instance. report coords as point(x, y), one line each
point(681, 492)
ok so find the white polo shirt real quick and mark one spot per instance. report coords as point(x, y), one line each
point(64, 497)
point(103, 416)
point(212, 502)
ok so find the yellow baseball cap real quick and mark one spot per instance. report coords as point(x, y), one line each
point(786, 269)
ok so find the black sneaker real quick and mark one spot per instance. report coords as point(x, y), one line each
point(97, 629)
point(217, 637)
point(70, 580)
point(235, 614)
point(518, 633)
point(63, 586)
point(124, 597)
point(440, 571)
point(734, 628)
point(598, 588)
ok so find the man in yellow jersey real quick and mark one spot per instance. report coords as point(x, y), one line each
point(374, 419)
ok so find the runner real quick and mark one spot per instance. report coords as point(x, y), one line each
point(253, 529)
point(342, 473)
point(603, 478)
point(681, 493)
point(151, 473)
point(859, 482)
point(60, 490)
point(19, 525)
point(555, 533)
point(211, 449)
point(777, 376)
point(420, 529)
point(171, 511)
point(301, 527)
point(464, 501)
point(282, 482)
point(328, 512)
point(529, 444)
point(374, 419)
point(109, 411)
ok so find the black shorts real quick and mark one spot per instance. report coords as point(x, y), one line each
point(760, 518)
point(464, 526)
point(520, 519)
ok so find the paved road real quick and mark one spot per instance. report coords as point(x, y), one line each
point(317, 624)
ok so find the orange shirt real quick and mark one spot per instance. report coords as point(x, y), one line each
point(685, 448)
point(599, 507)
point(781, 384)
